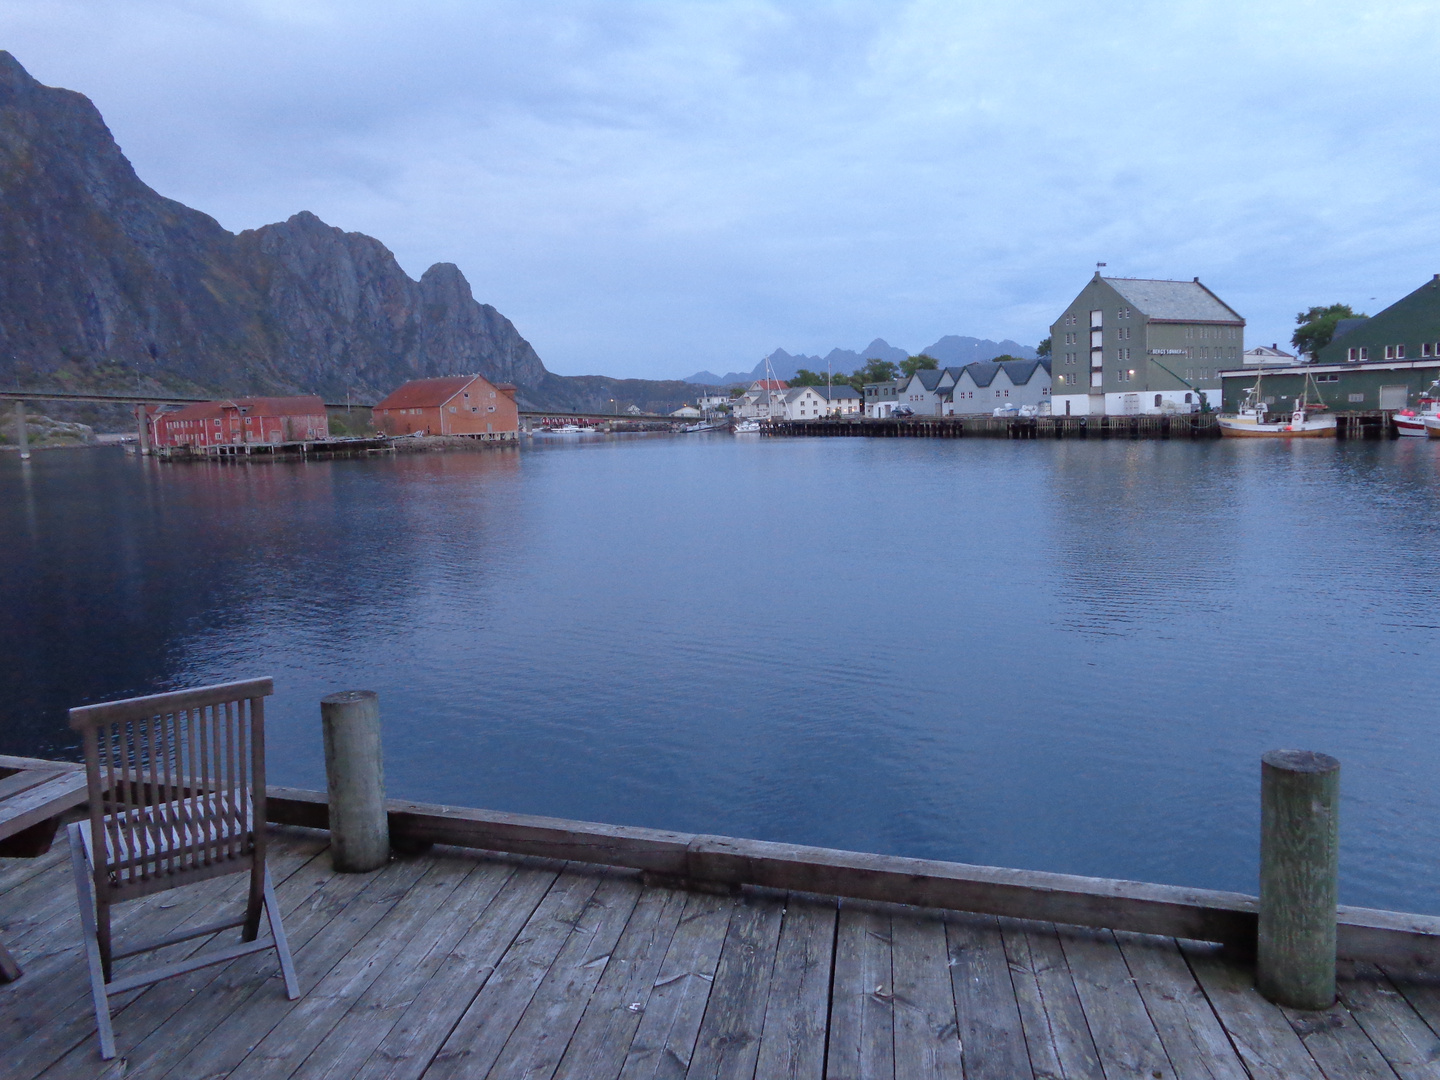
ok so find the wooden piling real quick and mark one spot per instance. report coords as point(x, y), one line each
point(1299, 861)
point(355, 775)
point(22, 436)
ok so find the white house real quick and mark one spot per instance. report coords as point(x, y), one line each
point(985, 385)
point(712, 402)
point(1269, 354)
point(924, 392)
point(764, 399)
point(813, 402)
point(687, 412)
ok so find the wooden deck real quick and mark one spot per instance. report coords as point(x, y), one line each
point(462, 964)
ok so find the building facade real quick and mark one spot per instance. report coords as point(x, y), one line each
point(1127, 346)
point(763, 400)
point(814, 402)
point(985, 385)
point(881, 398)
point(468, 405)
point(239, 421)
point(1343, 387)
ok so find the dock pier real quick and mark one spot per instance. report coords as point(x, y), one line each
point(1350, 425)
point(523, 946)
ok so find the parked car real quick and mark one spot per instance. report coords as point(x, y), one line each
point(902, 411)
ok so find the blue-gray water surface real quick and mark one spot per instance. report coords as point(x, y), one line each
point(1058, 655)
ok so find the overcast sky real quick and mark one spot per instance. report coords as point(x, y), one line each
point(648, 189)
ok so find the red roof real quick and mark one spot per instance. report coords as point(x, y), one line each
point(308, 405)
point(425, 393)
point(770, 384)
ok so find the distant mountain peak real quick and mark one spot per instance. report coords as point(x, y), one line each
point(951, 350)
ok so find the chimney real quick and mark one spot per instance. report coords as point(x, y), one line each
point(1197, 280)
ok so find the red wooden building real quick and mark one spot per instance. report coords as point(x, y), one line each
point(271, 420)
point(457, 405)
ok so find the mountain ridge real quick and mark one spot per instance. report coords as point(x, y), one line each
point(951, 350)
point(105, 282)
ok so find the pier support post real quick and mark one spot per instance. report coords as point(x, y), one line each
point(355, 776)
point(142, 430)
point(1299, 864)
point(22, 436)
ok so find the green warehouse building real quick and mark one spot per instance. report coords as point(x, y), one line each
point(1383, 362)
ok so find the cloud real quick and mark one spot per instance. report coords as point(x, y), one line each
point(652, 188)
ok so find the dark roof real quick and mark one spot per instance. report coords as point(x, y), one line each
point(1175, 301)
point(1344, 326)
point(1019, 372)
point(425, 393)
point(837, 390)
point(929, 378)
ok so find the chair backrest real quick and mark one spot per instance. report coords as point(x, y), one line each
point(176, 785)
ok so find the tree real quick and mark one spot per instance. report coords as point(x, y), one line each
point(911, 364)
point(806, 378)
point(1317, 327)
point(737, 391)
point(1002, 358)
point(877, 371)
point(1043, 349)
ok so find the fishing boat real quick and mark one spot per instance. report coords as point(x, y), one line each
point(1254, 421)
point(747, 427)
point(1414, 422)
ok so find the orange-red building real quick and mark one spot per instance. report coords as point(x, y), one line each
point(242, 420)
point(457, 405)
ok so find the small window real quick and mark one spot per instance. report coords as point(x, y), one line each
point(1187, 400)
point(1364, 352)
point(1389, 352)
point(1399, 352)
point(1425, 349)
point(1157, 401)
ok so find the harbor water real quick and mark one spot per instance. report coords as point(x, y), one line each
point(1055, 655)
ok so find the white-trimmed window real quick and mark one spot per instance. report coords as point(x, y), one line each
point(1389, 352)
point(1399, 352)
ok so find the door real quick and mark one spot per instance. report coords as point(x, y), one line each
point(1132, 404)
point(1393, 397)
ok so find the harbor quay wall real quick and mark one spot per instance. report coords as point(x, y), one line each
point(1351, 425)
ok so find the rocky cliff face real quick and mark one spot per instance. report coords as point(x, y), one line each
point(104, 282)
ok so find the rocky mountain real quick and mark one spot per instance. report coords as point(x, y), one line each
point(951, 351)
point(104, 283)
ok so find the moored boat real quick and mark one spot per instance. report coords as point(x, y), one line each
point(1414, 422)
point(1253, 420)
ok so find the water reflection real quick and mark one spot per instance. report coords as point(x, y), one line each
point(1060, 655)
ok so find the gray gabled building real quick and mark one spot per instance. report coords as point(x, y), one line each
point(1129, 346)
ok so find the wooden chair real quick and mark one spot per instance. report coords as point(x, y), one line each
point(177, 795)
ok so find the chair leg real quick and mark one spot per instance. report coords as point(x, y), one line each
point(10, 968)
point(282, 945)
point(251, 929)
point(85, 898)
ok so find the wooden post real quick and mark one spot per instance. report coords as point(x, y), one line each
point(355, 773)
point(1299, 862)
point(22, 436)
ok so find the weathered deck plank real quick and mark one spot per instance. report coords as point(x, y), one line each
point(1397, 1031)
point(425, 1023)
point(664, 1043)
point(992, 1038)
point(927, 1039)
point(792, 1045)
point(862, 1009)
point(1125, 1037)
point(729, 1041)
point(1193, 1038)
point(614, 1012)
point(481, 1033)
point(538, 1042)
point(471, 964)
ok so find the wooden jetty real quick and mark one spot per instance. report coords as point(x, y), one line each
point(587, 952)
point(1350, 425)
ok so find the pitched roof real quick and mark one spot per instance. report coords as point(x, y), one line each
point(1178, 301)
point(929, 378)
point(1344, 326)
point(837, 391)
point(425, 393)
point(769, 384)
point(304, 405)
